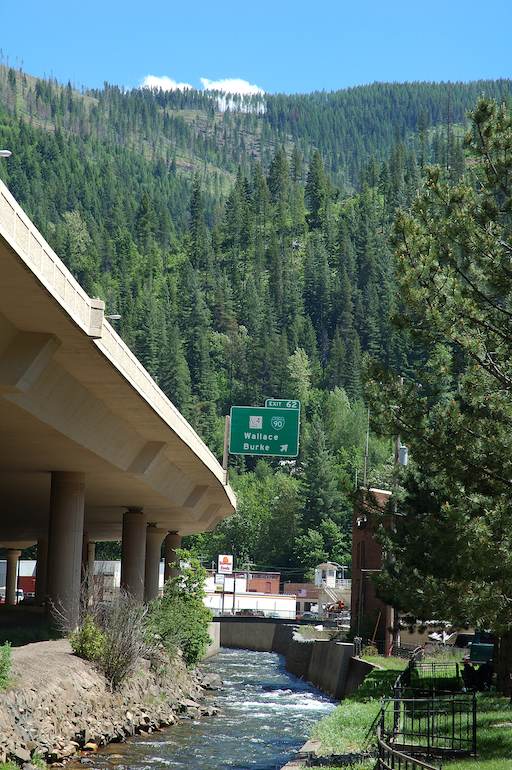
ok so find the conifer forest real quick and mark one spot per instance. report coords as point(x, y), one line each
point(248, 249)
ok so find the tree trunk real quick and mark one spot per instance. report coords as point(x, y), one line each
point(503, 663)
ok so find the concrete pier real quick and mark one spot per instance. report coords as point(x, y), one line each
point(41, 570)
point(154, 539)
point(133, 553)
point(65, 546)
point(11, 579)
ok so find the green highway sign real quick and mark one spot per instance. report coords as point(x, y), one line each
point(261, 430)
point(283, 403)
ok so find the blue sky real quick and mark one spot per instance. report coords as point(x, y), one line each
point(278, 45)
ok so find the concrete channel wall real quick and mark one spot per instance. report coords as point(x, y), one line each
point(214, 634)
point(248, 635)
point(328, 665)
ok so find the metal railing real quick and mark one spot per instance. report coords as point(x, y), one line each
point(435, 726)
point(442, 675)
point(427, 715)
point(389, 758)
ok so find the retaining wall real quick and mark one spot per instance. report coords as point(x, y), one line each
point(282, 638)
point(214, 633)
point(326, 664)
point(329, 666)
point(298, 658)
point(247, 636)
point(357, 672)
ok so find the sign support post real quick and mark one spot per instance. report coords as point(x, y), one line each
point(225, 457)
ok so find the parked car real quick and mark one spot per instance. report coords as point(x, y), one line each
point(310, 616)
point(19, 595)
point(247, 613)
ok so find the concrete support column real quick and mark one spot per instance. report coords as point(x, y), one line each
point(88, 557)
point(154, 539)
point(91, 557)
point(11, 577)
point(85, 542)
point(65, 546)
point(41, 570)
point(133, 553)
point(171, 543)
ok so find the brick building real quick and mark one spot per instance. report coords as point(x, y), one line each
point(263, 582)
point(371, 618)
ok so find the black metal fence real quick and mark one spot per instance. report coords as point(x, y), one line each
point(432, 677)
point(389, 758)
point(440, 725)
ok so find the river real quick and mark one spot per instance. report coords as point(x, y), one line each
point(265, 715)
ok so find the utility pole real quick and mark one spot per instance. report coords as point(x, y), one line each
point(225, 458)
point(366, 448)
point(392, 620)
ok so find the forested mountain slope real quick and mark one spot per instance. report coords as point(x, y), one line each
point(247, 252)
point(188, 131)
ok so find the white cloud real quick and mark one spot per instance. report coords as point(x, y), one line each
point(165, 83)
point(225, 85)
point(231, 86)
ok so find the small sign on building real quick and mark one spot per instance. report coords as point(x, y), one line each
point(219, 582)
point(225, 564)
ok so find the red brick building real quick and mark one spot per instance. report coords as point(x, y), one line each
point(264, 582)
point(371, 618)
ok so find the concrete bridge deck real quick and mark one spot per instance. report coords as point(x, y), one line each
point(90, 447)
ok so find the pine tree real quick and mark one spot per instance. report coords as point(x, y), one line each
point(317, 191)
point(321, 499)
point(199, 241)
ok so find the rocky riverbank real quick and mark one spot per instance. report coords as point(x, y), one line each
point(59, 705)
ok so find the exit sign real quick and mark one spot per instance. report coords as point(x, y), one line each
point(283, 403)
point(264, 430)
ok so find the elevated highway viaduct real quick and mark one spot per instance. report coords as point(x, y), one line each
point(90, 447)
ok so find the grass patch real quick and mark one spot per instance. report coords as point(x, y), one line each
point(346, 729)
point(5, 665)
point(446, 655)
point(391, 664)
point(480, 764)
point(494, 736)
point(370, 765)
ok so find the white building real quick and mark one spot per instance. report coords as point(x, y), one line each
point(330, 574)
point(235, 597)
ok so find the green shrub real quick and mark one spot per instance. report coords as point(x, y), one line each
point(88, 641)
point(180, 618)
point(5, 665)
point(38, 761)
point(9, 766)
point(123, 624)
